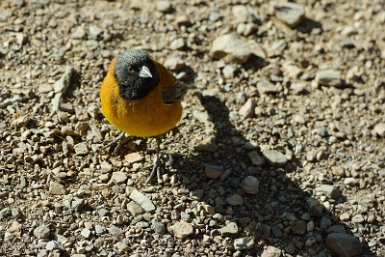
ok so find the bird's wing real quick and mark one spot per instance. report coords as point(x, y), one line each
point(174, 94)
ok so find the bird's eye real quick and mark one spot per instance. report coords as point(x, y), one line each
point(130, 69)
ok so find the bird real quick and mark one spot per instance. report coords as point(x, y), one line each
point(140, 97)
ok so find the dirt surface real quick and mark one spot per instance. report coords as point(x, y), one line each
point(280, 151)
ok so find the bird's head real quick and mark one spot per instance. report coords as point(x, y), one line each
point(136, 74)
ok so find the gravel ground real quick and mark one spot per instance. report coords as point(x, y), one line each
point(280, 151)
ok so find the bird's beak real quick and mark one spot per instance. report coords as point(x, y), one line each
point(145, 72)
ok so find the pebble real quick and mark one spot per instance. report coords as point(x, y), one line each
point(243, 243)
point(328, 190)
point(41, 232)
point(231, 48)
point(215, 16)
point(56, 188)
point(142, 200)
point(299, 227)
point(95, 32)
point(164, 6)
point(325, 223)
point(336, 229)
point(230, 228)
point(181, 229)
point(134, 209)
point(114, 230)
point(178, 44)
point(133, 157)
point(344, 245)
point(271, 251)
point(316, 209)
point(86, 233)
point(247, 110)
point(79, 33)
point(118, 177)
point(379, 129)
point(289, 13)
point(328, 78)
point(351, 182)
point(81, 148)
point(52, 245)
point(213, 171)
point(265, 87)
point(358, 218)
point(159, 227)
point(99, 229)
point(121, 247)
point(250, 185)
point(229, 71)
point(275, 157)
point(174, 63)
point(256, 158)
point(234, 200)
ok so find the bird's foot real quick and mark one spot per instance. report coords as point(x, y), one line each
point(155, 171)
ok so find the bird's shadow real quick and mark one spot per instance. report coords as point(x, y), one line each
point(279, 214)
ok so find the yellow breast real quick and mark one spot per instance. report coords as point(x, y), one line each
point(145, 117)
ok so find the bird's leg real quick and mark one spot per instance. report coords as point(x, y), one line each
point(156, 166)
point(118, 141)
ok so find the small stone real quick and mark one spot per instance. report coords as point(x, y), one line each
point(114, 230)
point(256, 158)
point(271, 251)
point(250, 184)
point(178, 44)
point(275, 157)
point(277, 231)
point(344, 245)
point(243, 243)
point(345, 216)
point(336, 229)
point(99, 229)
point(289, 13)
point(265, 87)
point(325, 223)
point(328, 190)
point(182, 20)
point(215, 16)
point(247, 110)
point(316, 208)
point(164, 6)
point(174, 63)
point(95, 32)
point(159, 227)
point(231, 48)
point(213, 171)
point(133, 157)
point(229, 71)
point(118, 177)
point(351, 182)
point(240, 12)
point(298, 118)
point(181, 229)
point(105, 167)
point(230, 228)
point(299, 227)
point(358, 218)
point(379, 129)
point(234, 200)
point(328, 78)
point(86, 233)
point(142, 200)
point(121, 247)
point(134, 209)
point(52, 245)
point(41, 232)
point(79, 33)
point(56, 188)
point(81, 148)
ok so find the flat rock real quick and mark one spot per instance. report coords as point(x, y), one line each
point(213, 171)
point(328, 190)
point(231, 48)
point(134, 209)
point(250, 185)
point(271, 251)
point(118, 177)
point(56, 188)
point(142, 200)
point(328, 78)
point(243, 243)
point(247, 110)
point(379, 129)
point(275, 157)
point(230, 228)
point(181, 229)
point(344, 245)
point(289, 13)
point(81, 148)
point(266, 87)
point(133, 157)
point(41, 232)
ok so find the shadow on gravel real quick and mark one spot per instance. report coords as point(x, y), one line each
point(279, 214)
